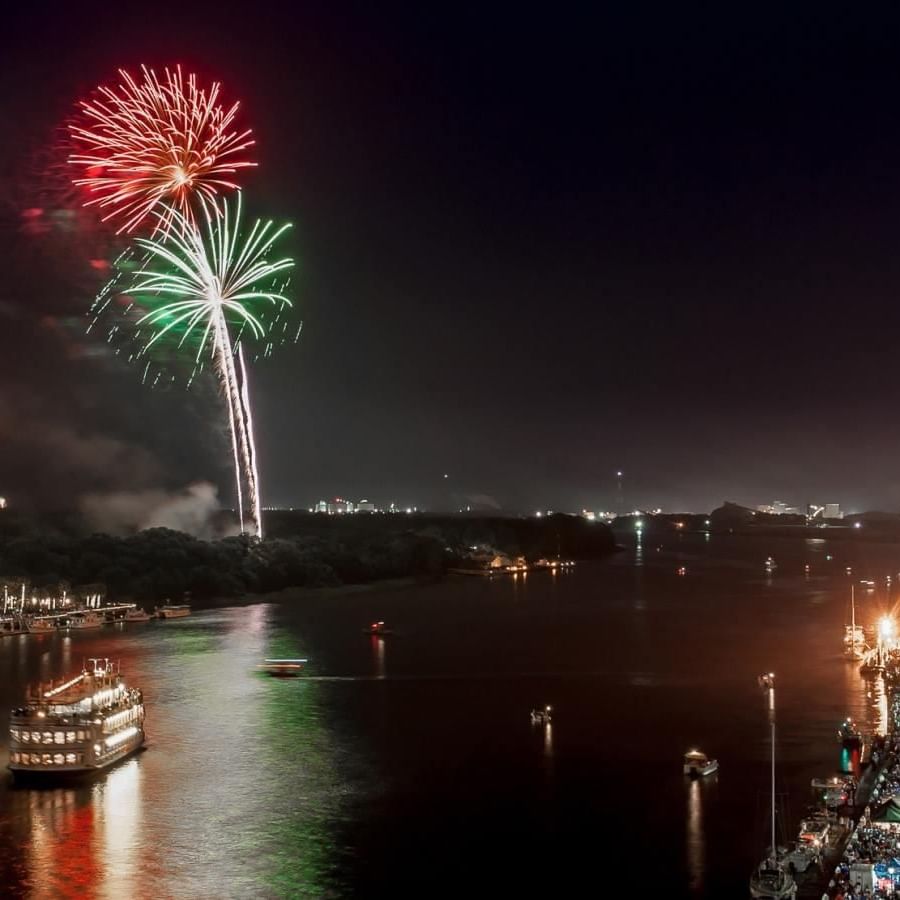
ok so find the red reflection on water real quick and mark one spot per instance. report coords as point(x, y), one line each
point(62, 855)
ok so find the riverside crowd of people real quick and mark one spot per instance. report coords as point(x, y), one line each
point(870, 867)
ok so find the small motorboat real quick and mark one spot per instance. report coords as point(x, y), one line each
point(540, 716)
point(378, 628)
point(138, 614)
point(828, 784)
point(282, 668)
point(681, 570)
point(771, 565)
point(848, 731)
point(697, 764)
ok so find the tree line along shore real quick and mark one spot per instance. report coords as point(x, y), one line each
point(300, 550)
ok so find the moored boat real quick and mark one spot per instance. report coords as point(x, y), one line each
point(12, 625)
point(41, 625)
point(138, 614)
point(854, 635)
point(828, 784)
point(697, 764)
point(84, 619)
point(378, 628)
point(76, 727)
point(541, 716)
point(169, 611)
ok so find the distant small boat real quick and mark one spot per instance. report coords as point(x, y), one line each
point(378, 628)
point(540, 716)
point(138, 614)
point(681, 571)
point(827, 784)
point(282, 668)
point(168, 611)
point(771, 565)
point(85, 619)
point(41, 626)
point(697, 764)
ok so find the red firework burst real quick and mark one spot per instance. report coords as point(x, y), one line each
point(156, 144)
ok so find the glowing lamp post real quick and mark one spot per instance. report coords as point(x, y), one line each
point(887, 631)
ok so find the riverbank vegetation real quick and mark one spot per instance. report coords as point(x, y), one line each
point(301, 550)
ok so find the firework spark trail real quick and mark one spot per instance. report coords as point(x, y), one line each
point(197, 285)
point(222, 355)
point(255, 498)
point(156, 147)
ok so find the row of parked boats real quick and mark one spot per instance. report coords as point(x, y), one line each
point(80, 619)
point(774, 877)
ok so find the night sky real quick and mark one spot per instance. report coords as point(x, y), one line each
point(535, 245)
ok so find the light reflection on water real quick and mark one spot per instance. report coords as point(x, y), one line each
point(696, 844)
point(120, 823)
point(378, 656)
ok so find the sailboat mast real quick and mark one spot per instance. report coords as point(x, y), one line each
point(772, 724)
point(853, 613)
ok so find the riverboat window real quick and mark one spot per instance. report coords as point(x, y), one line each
point(59, 737)
point(47, 759)
point(14, 757)
point(35, 737)
point(35, 759)
point(48, 737)
point(70, 737)
point(80, 735)
point(58, 759)
point(15, 733)
point(70, 758)
point(26, 736)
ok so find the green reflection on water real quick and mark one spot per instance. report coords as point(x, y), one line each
point(299, 849)
point(186, 640)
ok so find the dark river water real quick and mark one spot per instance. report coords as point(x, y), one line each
point(407, 765)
